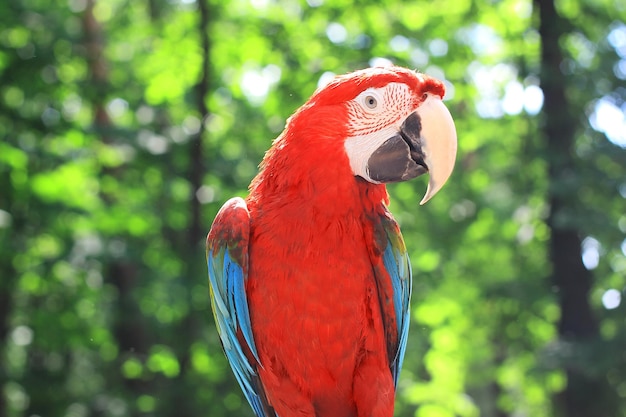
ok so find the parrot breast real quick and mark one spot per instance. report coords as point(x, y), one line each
point(314, 308)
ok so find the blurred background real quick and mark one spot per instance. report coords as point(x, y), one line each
point(124, 126)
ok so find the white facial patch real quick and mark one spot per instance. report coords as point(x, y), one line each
point(360, 148)
point(375, 115)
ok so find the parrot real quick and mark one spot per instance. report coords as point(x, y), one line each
point(309, 277)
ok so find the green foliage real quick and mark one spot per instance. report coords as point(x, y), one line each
point(103, 298)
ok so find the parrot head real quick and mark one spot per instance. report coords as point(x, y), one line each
point(390, 123)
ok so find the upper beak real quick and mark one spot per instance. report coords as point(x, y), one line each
point(426, 142)
point(438, 139)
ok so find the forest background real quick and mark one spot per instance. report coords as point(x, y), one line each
point(124, 125)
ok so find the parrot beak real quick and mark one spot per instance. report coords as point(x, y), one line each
point(438, 140)
point(426, 142)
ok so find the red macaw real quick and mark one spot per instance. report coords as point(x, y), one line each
point(309, 275)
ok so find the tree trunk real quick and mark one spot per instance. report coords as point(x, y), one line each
point(191, 252)
point(129, 327)
point(584, 393)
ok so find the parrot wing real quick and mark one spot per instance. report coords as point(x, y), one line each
point(227, 257)
point(394, 284)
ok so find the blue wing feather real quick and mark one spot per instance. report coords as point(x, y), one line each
point(398, 267)
point(227, 259)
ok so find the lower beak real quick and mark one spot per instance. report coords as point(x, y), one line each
point(426, 142)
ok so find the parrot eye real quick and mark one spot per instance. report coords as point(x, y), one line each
point(371, 102)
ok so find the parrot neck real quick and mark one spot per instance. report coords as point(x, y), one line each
point(315, 179)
